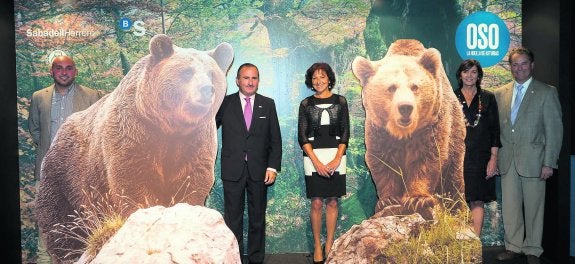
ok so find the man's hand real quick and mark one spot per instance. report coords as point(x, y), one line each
point(270, 177)
point(546, 173)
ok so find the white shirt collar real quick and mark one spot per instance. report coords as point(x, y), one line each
point(525, 84)
point(242, 96)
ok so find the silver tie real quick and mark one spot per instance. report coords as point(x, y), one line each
point(516, 103)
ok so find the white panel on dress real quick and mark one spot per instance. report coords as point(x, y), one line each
point(325, 155)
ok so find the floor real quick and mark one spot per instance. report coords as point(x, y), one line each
point(489, 256)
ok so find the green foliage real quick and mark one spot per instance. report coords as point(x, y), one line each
point(374, 42)
point(282, 37)
point(101, 234)
point(495, 77)
point(440, 242)
point(26, 153)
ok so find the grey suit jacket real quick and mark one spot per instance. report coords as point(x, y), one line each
point(535, 138)
point(39, 116)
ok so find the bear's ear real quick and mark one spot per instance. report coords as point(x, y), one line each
point(431, 61)
point(161, 47)
point(362, 69)
point(223, 54)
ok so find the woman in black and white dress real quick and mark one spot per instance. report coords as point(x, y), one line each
point(323, 134)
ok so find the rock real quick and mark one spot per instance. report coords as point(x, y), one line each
point(369, 241)
point(179, 234)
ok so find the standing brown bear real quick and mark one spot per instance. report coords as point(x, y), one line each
point(152, 141)
point(414, 129)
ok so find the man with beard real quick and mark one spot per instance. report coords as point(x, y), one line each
point(50, 106)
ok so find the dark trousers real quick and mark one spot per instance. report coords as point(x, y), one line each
point(234, 204)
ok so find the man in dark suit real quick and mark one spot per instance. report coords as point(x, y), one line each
point(531, 135)
point(250, 158)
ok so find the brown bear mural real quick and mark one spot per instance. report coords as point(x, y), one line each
point(152, 141)
point(414, 129)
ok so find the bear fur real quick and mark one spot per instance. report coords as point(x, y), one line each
point(414, 129)
point(152, 141)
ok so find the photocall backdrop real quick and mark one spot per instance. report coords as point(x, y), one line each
point(283, 38)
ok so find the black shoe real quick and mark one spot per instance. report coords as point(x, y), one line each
point(507, 255)
point(531, 259)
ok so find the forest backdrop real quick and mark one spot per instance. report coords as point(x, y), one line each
point(283, 38)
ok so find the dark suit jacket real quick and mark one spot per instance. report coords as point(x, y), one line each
point(262, 142)
point(39, 118)
point(534, 140)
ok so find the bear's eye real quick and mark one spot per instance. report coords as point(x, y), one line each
point(414, 88)
point(392, 88)
point(187, 73)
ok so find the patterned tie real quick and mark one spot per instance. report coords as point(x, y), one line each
point(516, 103)
point(248, 113)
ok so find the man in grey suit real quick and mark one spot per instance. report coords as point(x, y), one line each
point(50, 106)
point(531, 135)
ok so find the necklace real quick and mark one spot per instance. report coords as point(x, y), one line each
point(477, 116)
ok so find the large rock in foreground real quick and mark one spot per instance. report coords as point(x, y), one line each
point(179, 234)
point(406, 239)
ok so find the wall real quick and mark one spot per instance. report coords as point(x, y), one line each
point(546, 30)
point(9, 191)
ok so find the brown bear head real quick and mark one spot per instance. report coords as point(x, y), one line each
point(402, 92)
point(178, 89)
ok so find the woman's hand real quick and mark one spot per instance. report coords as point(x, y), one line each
point(333, 165)
point(335, 162)
point(492, 168)
point(322, 169)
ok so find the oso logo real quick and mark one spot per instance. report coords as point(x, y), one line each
point(482, 36)
point(138, 25)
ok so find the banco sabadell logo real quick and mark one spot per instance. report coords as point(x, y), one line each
point(126, 24)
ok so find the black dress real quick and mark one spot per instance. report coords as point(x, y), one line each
point(324, 123)
point(482, 134)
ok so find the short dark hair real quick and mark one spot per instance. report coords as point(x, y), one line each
point(247, 64)
point(522, 50)
point(466, 65)
point(319, 66)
